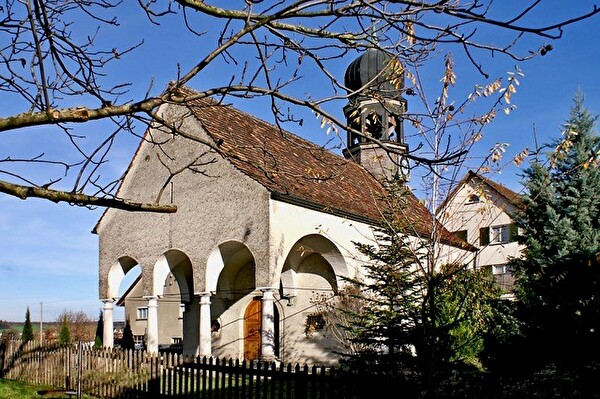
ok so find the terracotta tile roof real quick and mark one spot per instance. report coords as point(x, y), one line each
point(121, 301)
point(299, 171)
point(512, 197)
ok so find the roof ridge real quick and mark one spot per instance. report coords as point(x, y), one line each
point(512, 196)
point(260, 121)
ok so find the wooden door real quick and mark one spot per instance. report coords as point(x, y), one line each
point(252, 329)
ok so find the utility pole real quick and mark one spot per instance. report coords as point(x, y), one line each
point(41, 323)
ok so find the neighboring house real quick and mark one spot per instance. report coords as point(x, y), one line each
point(170, 313)
point(481, 212)
point(264, 228)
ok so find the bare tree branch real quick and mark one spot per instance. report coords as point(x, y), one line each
point(25, 192)
point(58, 73)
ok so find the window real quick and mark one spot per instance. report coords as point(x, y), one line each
point(181, 310)
point(177, 340)
point(504, 277)
point(473, 199)
point(499, 234)
point(373, 125)
point(462, 234)
point(502, 269)
point(314, 322)
point(138, 339)
point(142, 313)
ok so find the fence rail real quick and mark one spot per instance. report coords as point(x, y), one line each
point(136, 374)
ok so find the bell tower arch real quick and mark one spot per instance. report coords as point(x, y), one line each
point(375, 115)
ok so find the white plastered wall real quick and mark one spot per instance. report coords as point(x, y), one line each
point(298, 235)
point(223, 205)
point(491, 210)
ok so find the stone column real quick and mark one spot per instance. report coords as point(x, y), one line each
point(267, 345)
point(108, 334)
point(152, 329)
point(205, 347)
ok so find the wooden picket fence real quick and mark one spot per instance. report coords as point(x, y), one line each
point(137, 374)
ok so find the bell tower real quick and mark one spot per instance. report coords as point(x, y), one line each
point(374, 115)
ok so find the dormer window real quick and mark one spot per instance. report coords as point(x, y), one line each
point(473, 199)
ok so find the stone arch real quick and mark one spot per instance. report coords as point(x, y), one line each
point(178, 264)
point(172, 288)
point(312, 274)
point(313, 245)
point(231, 280)
point(116, 273)
point(231, 267)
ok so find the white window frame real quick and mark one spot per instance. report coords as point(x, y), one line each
point(142, 313)
point(500, 234)
point(502, 269)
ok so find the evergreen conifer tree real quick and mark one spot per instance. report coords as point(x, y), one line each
point(27, 334)
point(64, 335)
point(415, 316)
point(99, 332)
point(127, 342)
point(558, 280)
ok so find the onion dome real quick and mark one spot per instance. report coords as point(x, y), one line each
point(372, 72)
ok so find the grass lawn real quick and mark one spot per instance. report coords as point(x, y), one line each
point(10, 389)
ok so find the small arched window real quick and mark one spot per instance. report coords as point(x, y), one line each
point(473, 198)
point(374, 125)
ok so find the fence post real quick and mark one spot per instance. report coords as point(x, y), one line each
point(79, 359)
point(153, 375)
point(301, 381)
point(67, 353)
point(2, 358)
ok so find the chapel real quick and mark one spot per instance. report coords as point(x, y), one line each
point(266, 224)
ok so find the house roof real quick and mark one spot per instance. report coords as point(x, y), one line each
point(121, 301)
point(511, 196)
point(298, 171)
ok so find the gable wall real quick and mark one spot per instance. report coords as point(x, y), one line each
point(223, 205)
point(492, 210)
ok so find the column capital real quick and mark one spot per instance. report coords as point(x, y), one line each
point(268, 293)
point(108, 300)
point(267, 289)
point(203, 297)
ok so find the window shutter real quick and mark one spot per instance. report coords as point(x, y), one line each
point(513, 232)
point(462, 234)
point(484, 236)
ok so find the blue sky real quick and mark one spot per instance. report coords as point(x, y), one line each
point(49, 255)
